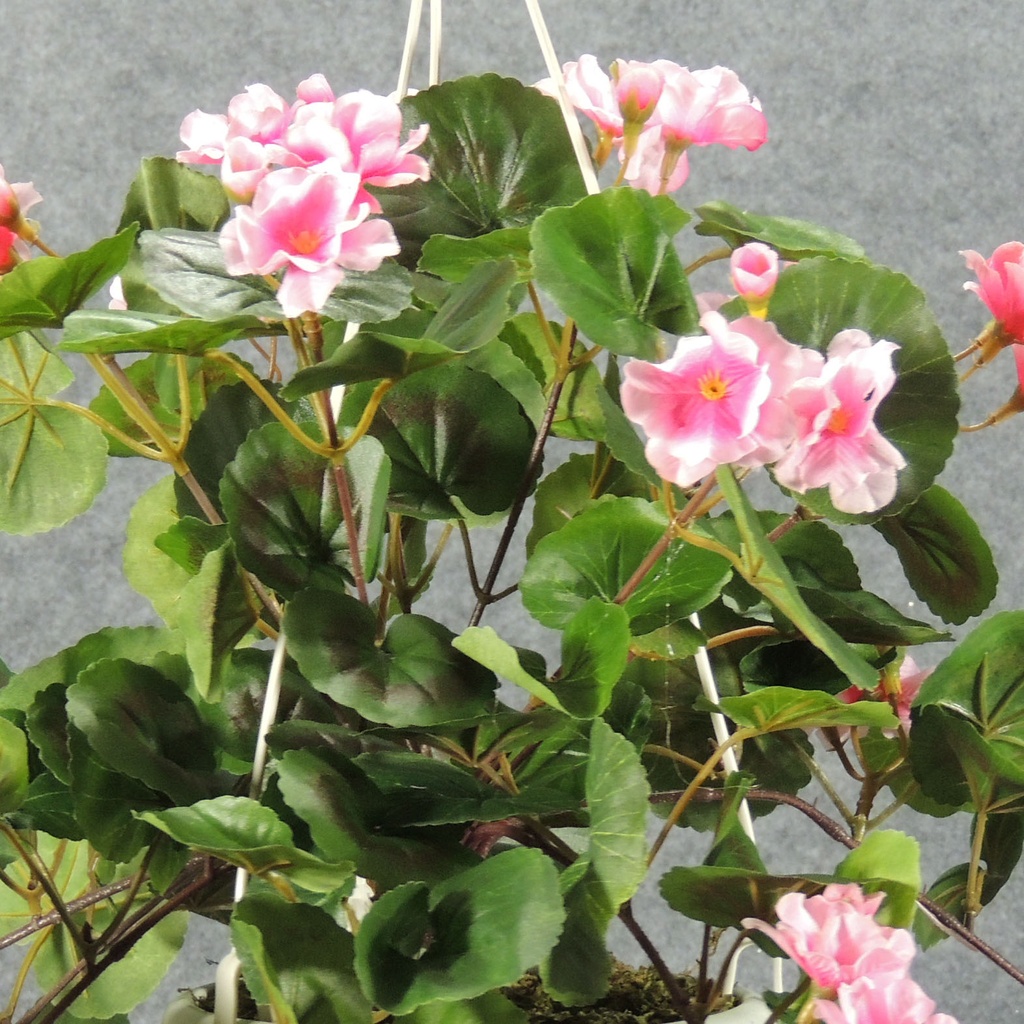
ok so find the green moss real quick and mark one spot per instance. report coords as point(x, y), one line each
point(636, 996)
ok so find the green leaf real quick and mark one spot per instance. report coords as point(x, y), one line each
point(473, 933)
point(250, 836)
point(456, 439)
point(13, 767)
point(453, 258)
point(499, 154)
point(53, 461)
point(155, 378)
point(308, 957)
point(733, 848)
point(124, 984)
point(414, 677)
point(490, 1008)
point(791, 239)
point(972, 735)
point(817, 299)
point(610, 264)
point(348, 815)
point(888, 861)
point(187, 270)
point(42, 291)
point(110, 331)
point(476, 308)
point(595, 647)
point(166, 193)
point(861, 617)
point(944, 556)
point(763, 568)
point(607, 873)
point(722, 897)
point(284, 514)
point(217, 610)
point(153, 573)
point(143, 725)
point(782, 707)
point(570, 488)
point(596, 554)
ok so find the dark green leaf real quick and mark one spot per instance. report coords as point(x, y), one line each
point(596, 553)
point(457, 440)
point(169, 194)
point(610, 264)
point(308, 956)
point(284, 514)
point(499, 154)
point(733, 848)
point(142, 724)
point(792, 239)
point(469, 935)
point(946, 559)
point(415, 677)
point(607, 873)
point(595, 646)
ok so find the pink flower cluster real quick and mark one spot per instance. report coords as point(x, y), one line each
point(302, 169)
point(652, 113)
point(742, 394)
point(859, 967)
point(15, 230)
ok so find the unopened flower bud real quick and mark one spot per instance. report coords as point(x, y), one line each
point(15, 199)
point(754, 269)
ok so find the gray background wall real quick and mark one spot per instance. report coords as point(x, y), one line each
point(896, 122)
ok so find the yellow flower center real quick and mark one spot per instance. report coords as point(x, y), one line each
point(712, 387)
point(305, 242)
point(839, 421)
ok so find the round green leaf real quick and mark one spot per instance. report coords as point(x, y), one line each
point(610, 263)
point(53, 461)
point(13, 766)
point(944, 556)
point(473, 933)
point(817, 299)
point(457, 440)
point(596, 553)
point(415, 677)
point(499, 154)
point(284, 515)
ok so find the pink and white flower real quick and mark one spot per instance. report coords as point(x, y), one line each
point(1000, 285)
point(754, 270)
point(835, 939)
point(867, 1001)
point(719, 399)
point(837, 443)
point(309, 224)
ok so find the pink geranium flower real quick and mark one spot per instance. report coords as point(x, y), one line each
point(718, 399)
point(866, 1001)
point(591, 92)
point(837, 443)
point(835, 939)
point(696, 108)
point(1000, 285)
point(899, 689)
point(753, 270)
point(308, 224)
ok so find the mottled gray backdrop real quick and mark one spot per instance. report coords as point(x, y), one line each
point(893, 121)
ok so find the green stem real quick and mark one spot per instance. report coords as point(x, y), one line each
point(975, 877)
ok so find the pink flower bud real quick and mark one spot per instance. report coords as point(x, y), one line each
point(754, 269)
point(15, 200)
point(637, 89)
point(1000, 285)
